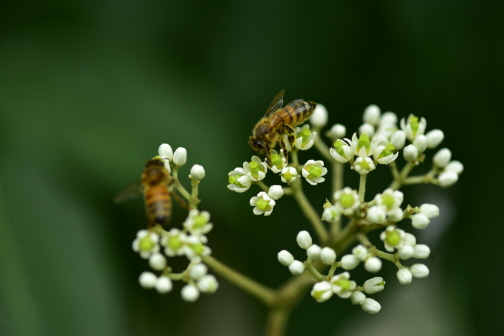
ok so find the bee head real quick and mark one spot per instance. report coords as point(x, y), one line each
point(257, 146)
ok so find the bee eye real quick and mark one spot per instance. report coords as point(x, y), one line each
point(259, 145)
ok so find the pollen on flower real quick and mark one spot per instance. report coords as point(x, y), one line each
point(262, 204)
point(313, 171)
point(393, 238)
point(146, 243)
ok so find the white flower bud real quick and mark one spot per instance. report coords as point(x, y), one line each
point(395, 215)
point(455, 166)
point(180, 156)
point(371, 306)
point(319, 116)
point(410, 153)
point(147, 280)
point(275, 192)
point(198, 271)
point(358, 297)
point(420, 221)
point(398, 139)
point(442, 157)
point(190, 293)
point(349, 262)
point(422, 251)
point(434, 138)
point(157, 261)
point(165, 151)
point(406, 252)
point(304, 239)
point(374, 285)
point(164, 285)
point(327, 255)
point(429, 210)
point(360, 252)
point(367, 128)
point(208, 284)
point(296, 267)
point(330, 214)
point(373, 264)
point(338, 131)
point(404, 276)
point(372, 115)
point(419, 271)
point(376, 214)
point(313, 252)
point(388, 118)
point(447, 178)
point(409, 239)
point(322, 291)
point(197, 172)
point(285, 257)
point(420, 143)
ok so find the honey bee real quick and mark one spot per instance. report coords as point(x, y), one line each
point(277, 121)
point(156, 185)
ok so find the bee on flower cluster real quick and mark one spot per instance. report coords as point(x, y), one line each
point(156, 185)
point(278, 121)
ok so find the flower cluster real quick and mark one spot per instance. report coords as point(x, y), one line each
point(338, 284)
point(378, 141)
point(157, 244)
point(254, 171)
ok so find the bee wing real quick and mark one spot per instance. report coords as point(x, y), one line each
point(276, 103)
point(131, 192)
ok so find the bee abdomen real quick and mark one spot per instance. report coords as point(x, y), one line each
point(158, 202)
point(298, 111)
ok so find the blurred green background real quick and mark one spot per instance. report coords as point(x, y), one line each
point(90, 89)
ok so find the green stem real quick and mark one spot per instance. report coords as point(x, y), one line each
point(332, 269)
point(295, 160)
point(264, 294)
point(322, 147)
point(180, 188)
point(193, 202)
point(263, 186)
point(362, 187)
point(363, 239)
point(337, 172)
point(277, 322)
point(386, 256)
point(337, 184)
point(393, 170)
point(316, 274)
point(399, 181)
point(309, 212)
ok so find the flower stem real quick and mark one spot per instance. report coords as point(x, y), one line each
point(263, 186)
point(180, 188)
point(322, 147)
point(316, 274)
point(264, 294)
point(194, 193)
point(362, 187)
point(309, 212)
point(399, 180)
point(277, 322)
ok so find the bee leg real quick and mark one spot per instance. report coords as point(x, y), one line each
point(285, 152)
point(289, 132)
point(268, 155)
point(180, 201)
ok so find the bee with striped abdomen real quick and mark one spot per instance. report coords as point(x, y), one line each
point(277, 121)
point(156, 185)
